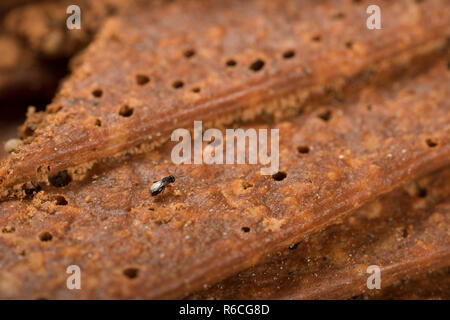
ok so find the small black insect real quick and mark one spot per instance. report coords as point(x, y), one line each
point(158, 186)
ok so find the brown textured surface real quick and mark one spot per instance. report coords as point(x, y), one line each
point(8, 130)
point(6, 5)
point(192, 234)
point(43, 24)
point(431, 286)
point(405, 233)
point(154, 43)
point(22, 74)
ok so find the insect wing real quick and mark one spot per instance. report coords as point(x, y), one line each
point(156, 187)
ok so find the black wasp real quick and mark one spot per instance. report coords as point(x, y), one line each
point(158, 186)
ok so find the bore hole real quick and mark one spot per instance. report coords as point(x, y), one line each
point(98, 123)
point(245, 229)
point(61, 179)
point(60, 201)
point(30, 190)
point(338, 16)
point(178, 84)
point(289, 54)
point(131, 273)
point(231, 63)
point(349, 44)
point(369, 107)
point(294, 246)
point(126, 111)
point(404, 233)
point(196, 90)
point(246, 185)
point(431, 143)
point(280, 175)
point(45, 236)
point(8, 229)
point(421, 192)
point(142, 79)
point(316, 38)
point(325, 116)
point(448, 65)
point(257, 65)
point(97, 93)
point(303, 149)
point(189, 53)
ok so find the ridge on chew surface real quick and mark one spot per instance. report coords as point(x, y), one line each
point(405, 233)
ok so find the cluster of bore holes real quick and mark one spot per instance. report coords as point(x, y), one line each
point(131, 273)
point(255, 66)
point(45, 236)
point(142, 79)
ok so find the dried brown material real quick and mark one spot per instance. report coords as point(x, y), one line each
point(6, 5)
point(239, 54)
point(404, 233)
point(217, 220)
point(8, 130)
point(22, 73)
point(430, 286)
point(43, 24)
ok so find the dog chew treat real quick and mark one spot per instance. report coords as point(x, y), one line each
point(157, 70)
point(404, 233)
point(430, 286)
point(217, 220)
point(43, 24)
